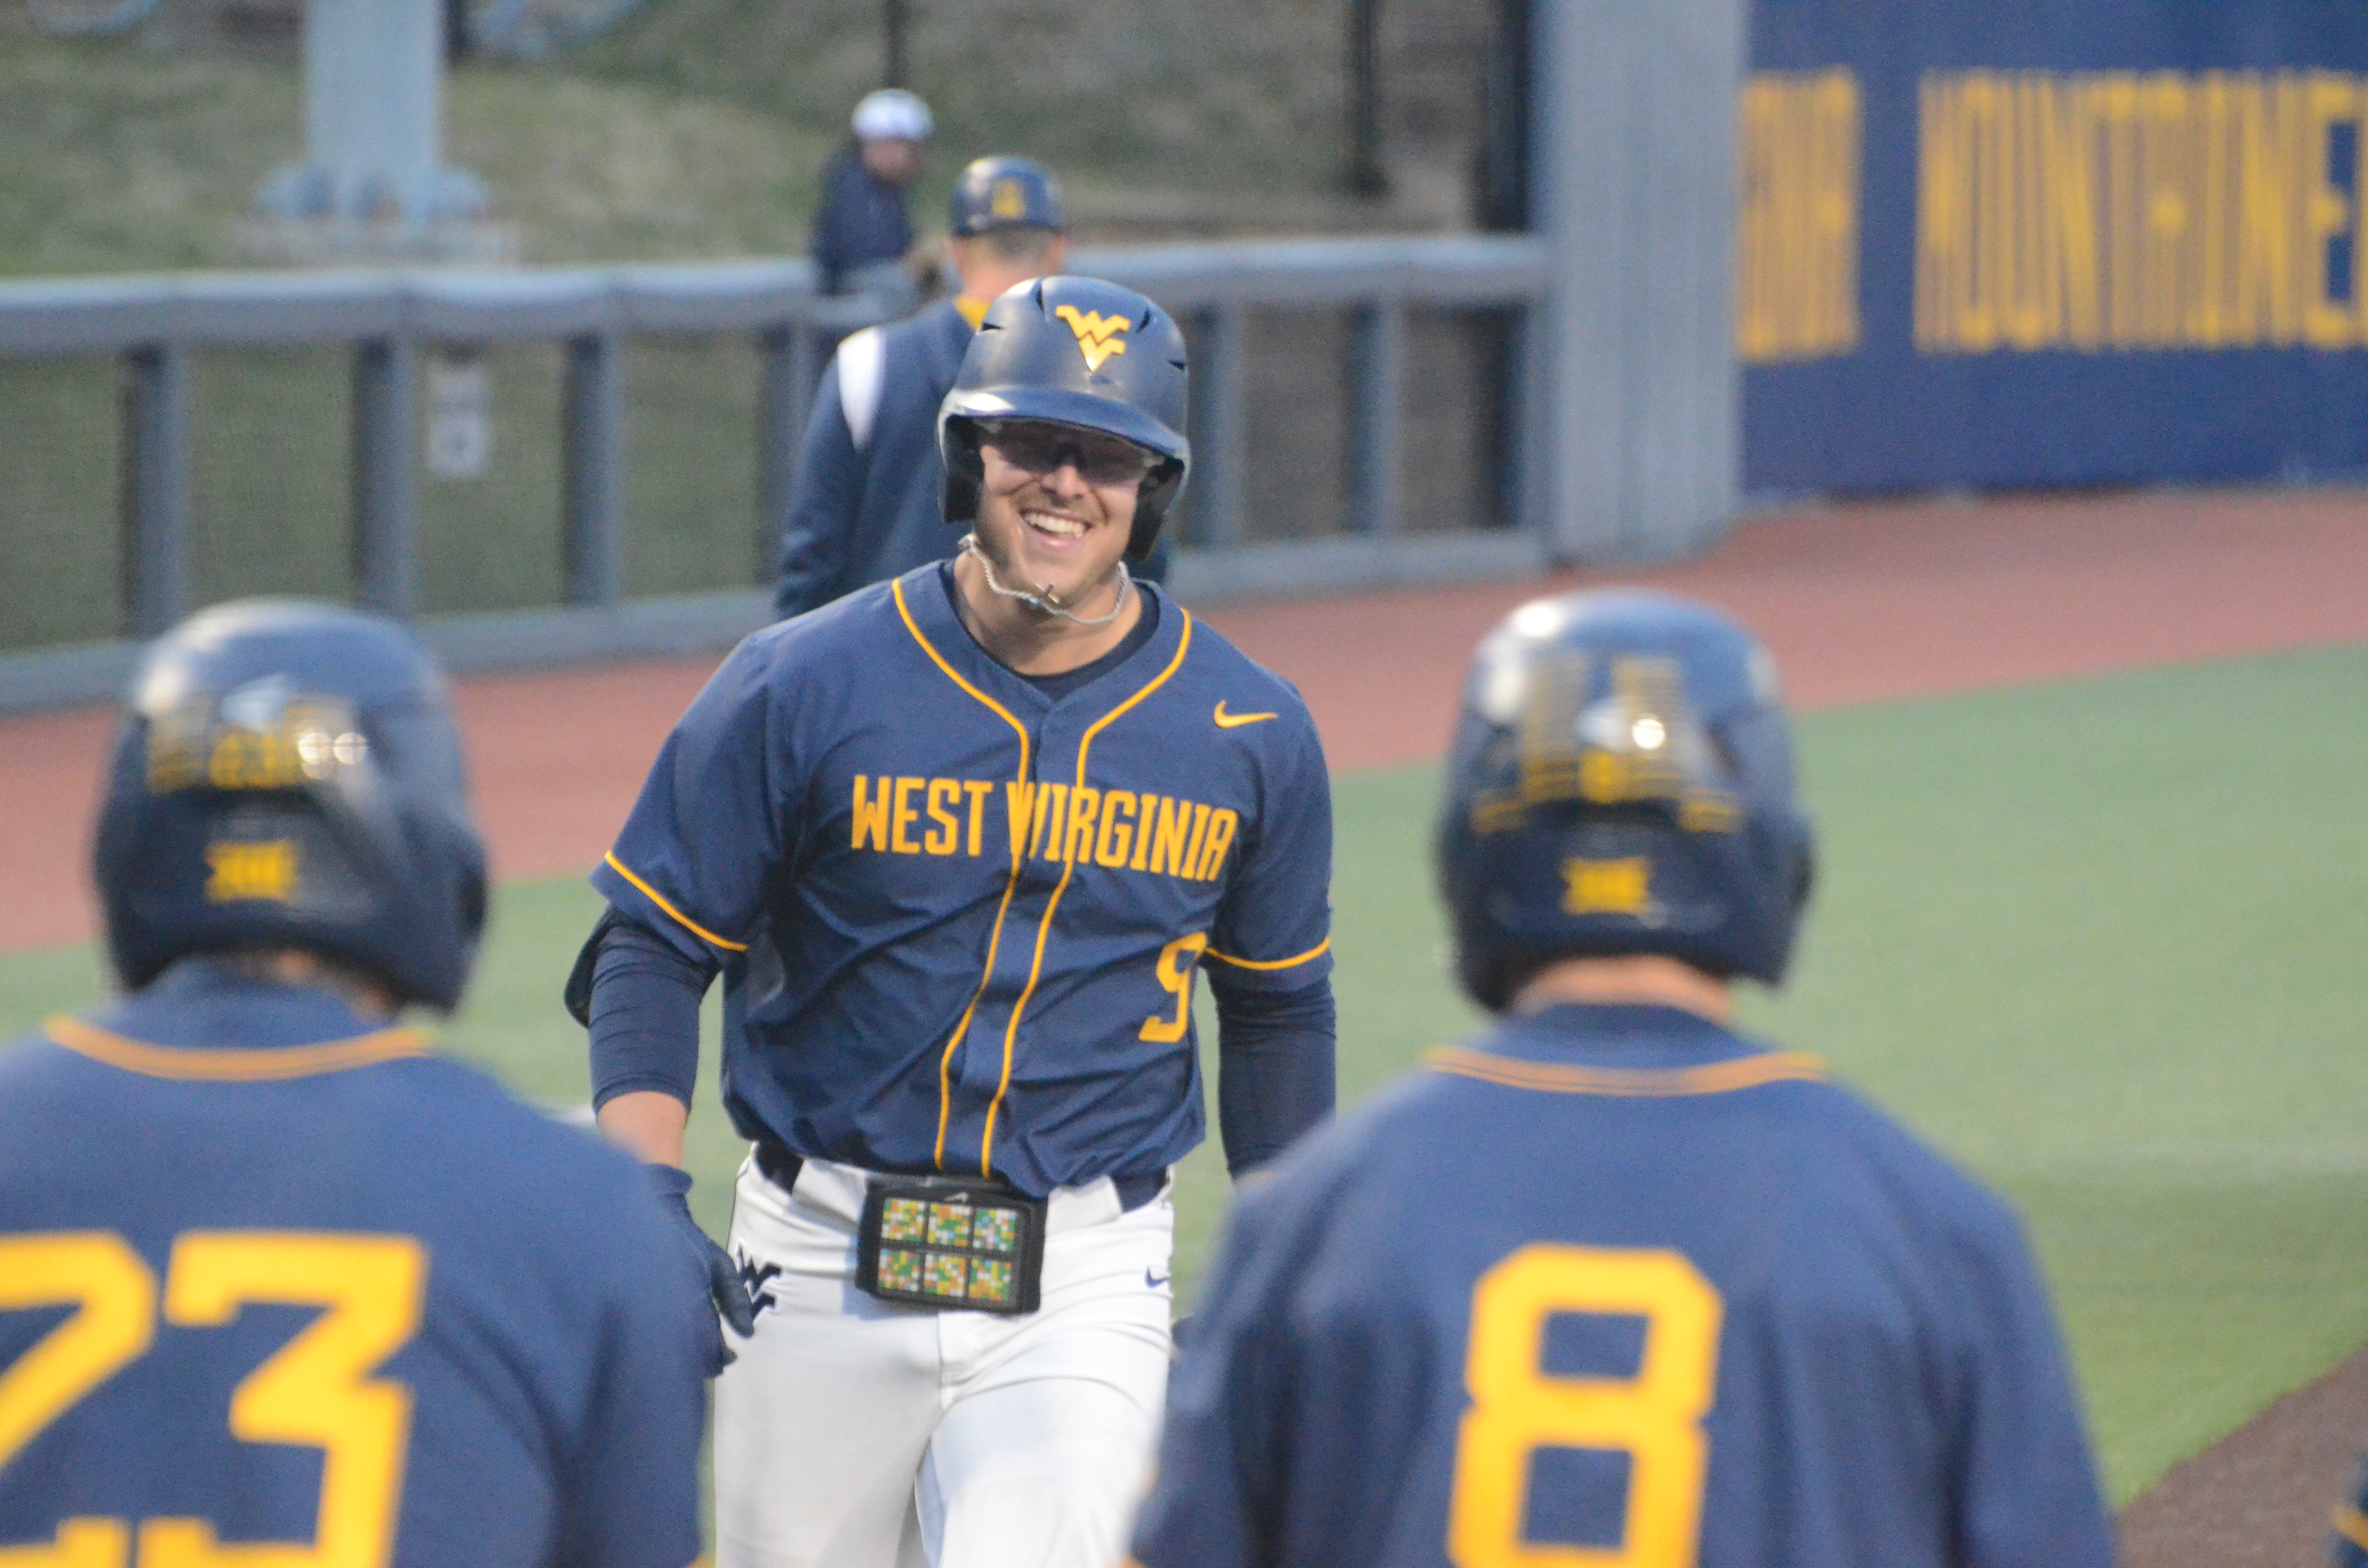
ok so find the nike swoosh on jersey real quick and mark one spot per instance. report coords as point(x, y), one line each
point(1235, 721)
point(1155, 1282)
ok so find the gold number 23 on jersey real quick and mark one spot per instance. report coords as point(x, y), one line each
point(317, 1390)
point(1518, 1408)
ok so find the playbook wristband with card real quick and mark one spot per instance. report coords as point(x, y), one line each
point(953, 1244)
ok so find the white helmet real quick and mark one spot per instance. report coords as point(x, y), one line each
point(892, 112)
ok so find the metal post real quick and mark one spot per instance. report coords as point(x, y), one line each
point(1635, 438)
point(1520, 498)
point(893, 20)
point(372, 182)
point(385, 434)
point(592, 436)
point(1218, 430)
point(786, 355)
point(1366, 176)
point(1686, 419)
point(1503, 195)
point(156, 489)
point(1377, 415)
point(373, 79)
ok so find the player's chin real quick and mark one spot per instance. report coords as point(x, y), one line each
point(1065, 563)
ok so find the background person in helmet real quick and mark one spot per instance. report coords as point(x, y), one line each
point(866, 506)
point(273, 1278)
point(959, 843)
point(1611, 1279)
point(860, 234)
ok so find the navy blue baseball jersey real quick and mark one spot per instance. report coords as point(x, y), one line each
point(1614, 1278)
point(959, 919)
point(2347, 1546)
point(271, 1275)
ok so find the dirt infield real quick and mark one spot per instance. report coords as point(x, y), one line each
point(1861, 604)
point(2262, 1496)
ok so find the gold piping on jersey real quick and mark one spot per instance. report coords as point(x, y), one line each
point(1044, 928)
point(2350, 1524)
point(1010, 886)
point(231, 1065)
point(1317, 951)
point(685, 921)
point(1553, 1078)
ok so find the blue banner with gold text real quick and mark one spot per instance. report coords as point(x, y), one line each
point(2020, 244)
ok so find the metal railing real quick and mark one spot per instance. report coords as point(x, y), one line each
point(387, 322)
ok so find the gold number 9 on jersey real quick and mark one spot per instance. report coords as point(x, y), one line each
point(1518, 1408)
point(1176, 962)
point(316, 1389)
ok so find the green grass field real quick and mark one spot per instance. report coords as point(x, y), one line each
point(2100, 940)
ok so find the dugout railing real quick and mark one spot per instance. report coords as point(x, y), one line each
point(1598, 396)
point(386, 326)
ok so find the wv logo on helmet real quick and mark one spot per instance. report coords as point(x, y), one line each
point(1096, 334)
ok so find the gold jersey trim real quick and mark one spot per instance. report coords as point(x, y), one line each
point(685, 921)
point(1317, 951)
point(1010, 886)
point(1044, 928)
point(234, 1065)
point(1638, 1083)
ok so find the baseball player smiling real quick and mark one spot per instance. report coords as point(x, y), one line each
point(960, 844)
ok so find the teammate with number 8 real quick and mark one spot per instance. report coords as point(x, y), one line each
point(1612, 1285)
point(959, 843)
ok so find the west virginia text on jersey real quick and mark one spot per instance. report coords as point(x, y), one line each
point(1117, 829)
point(906, 858)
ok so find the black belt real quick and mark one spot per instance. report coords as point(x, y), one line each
point(780, 1168)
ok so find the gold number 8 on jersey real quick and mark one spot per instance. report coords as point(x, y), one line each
point(1517, 1408)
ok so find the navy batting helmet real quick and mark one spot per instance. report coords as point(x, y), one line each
point(1621, 783)
point(289, 777)
point(1005, 193)
point(1077, 351)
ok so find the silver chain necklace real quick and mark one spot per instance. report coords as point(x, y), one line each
point(1044, 602)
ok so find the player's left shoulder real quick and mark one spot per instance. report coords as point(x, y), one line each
point(561, 1181)
point(1336, 1202)
point(515, 1132)
point(1875, 1163)
point(1246, 700)
point(40, 1093)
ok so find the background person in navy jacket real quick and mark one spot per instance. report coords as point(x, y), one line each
point(860, 229)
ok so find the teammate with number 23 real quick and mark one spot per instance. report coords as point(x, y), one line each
point(959, 842)
point(1612, 1284)
point(278, 1285)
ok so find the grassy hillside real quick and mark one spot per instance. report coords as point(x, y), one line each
point(1131, 98)
point(115, 158)
point(696, 130)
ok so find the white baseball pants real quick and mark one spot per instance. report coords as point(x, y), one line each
point(851, 1433)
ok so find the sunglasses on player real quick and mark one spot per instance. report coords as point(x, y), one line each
point(1040, 447)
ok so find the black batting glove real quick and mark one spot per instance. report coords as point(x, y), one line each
point(706, 1264)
